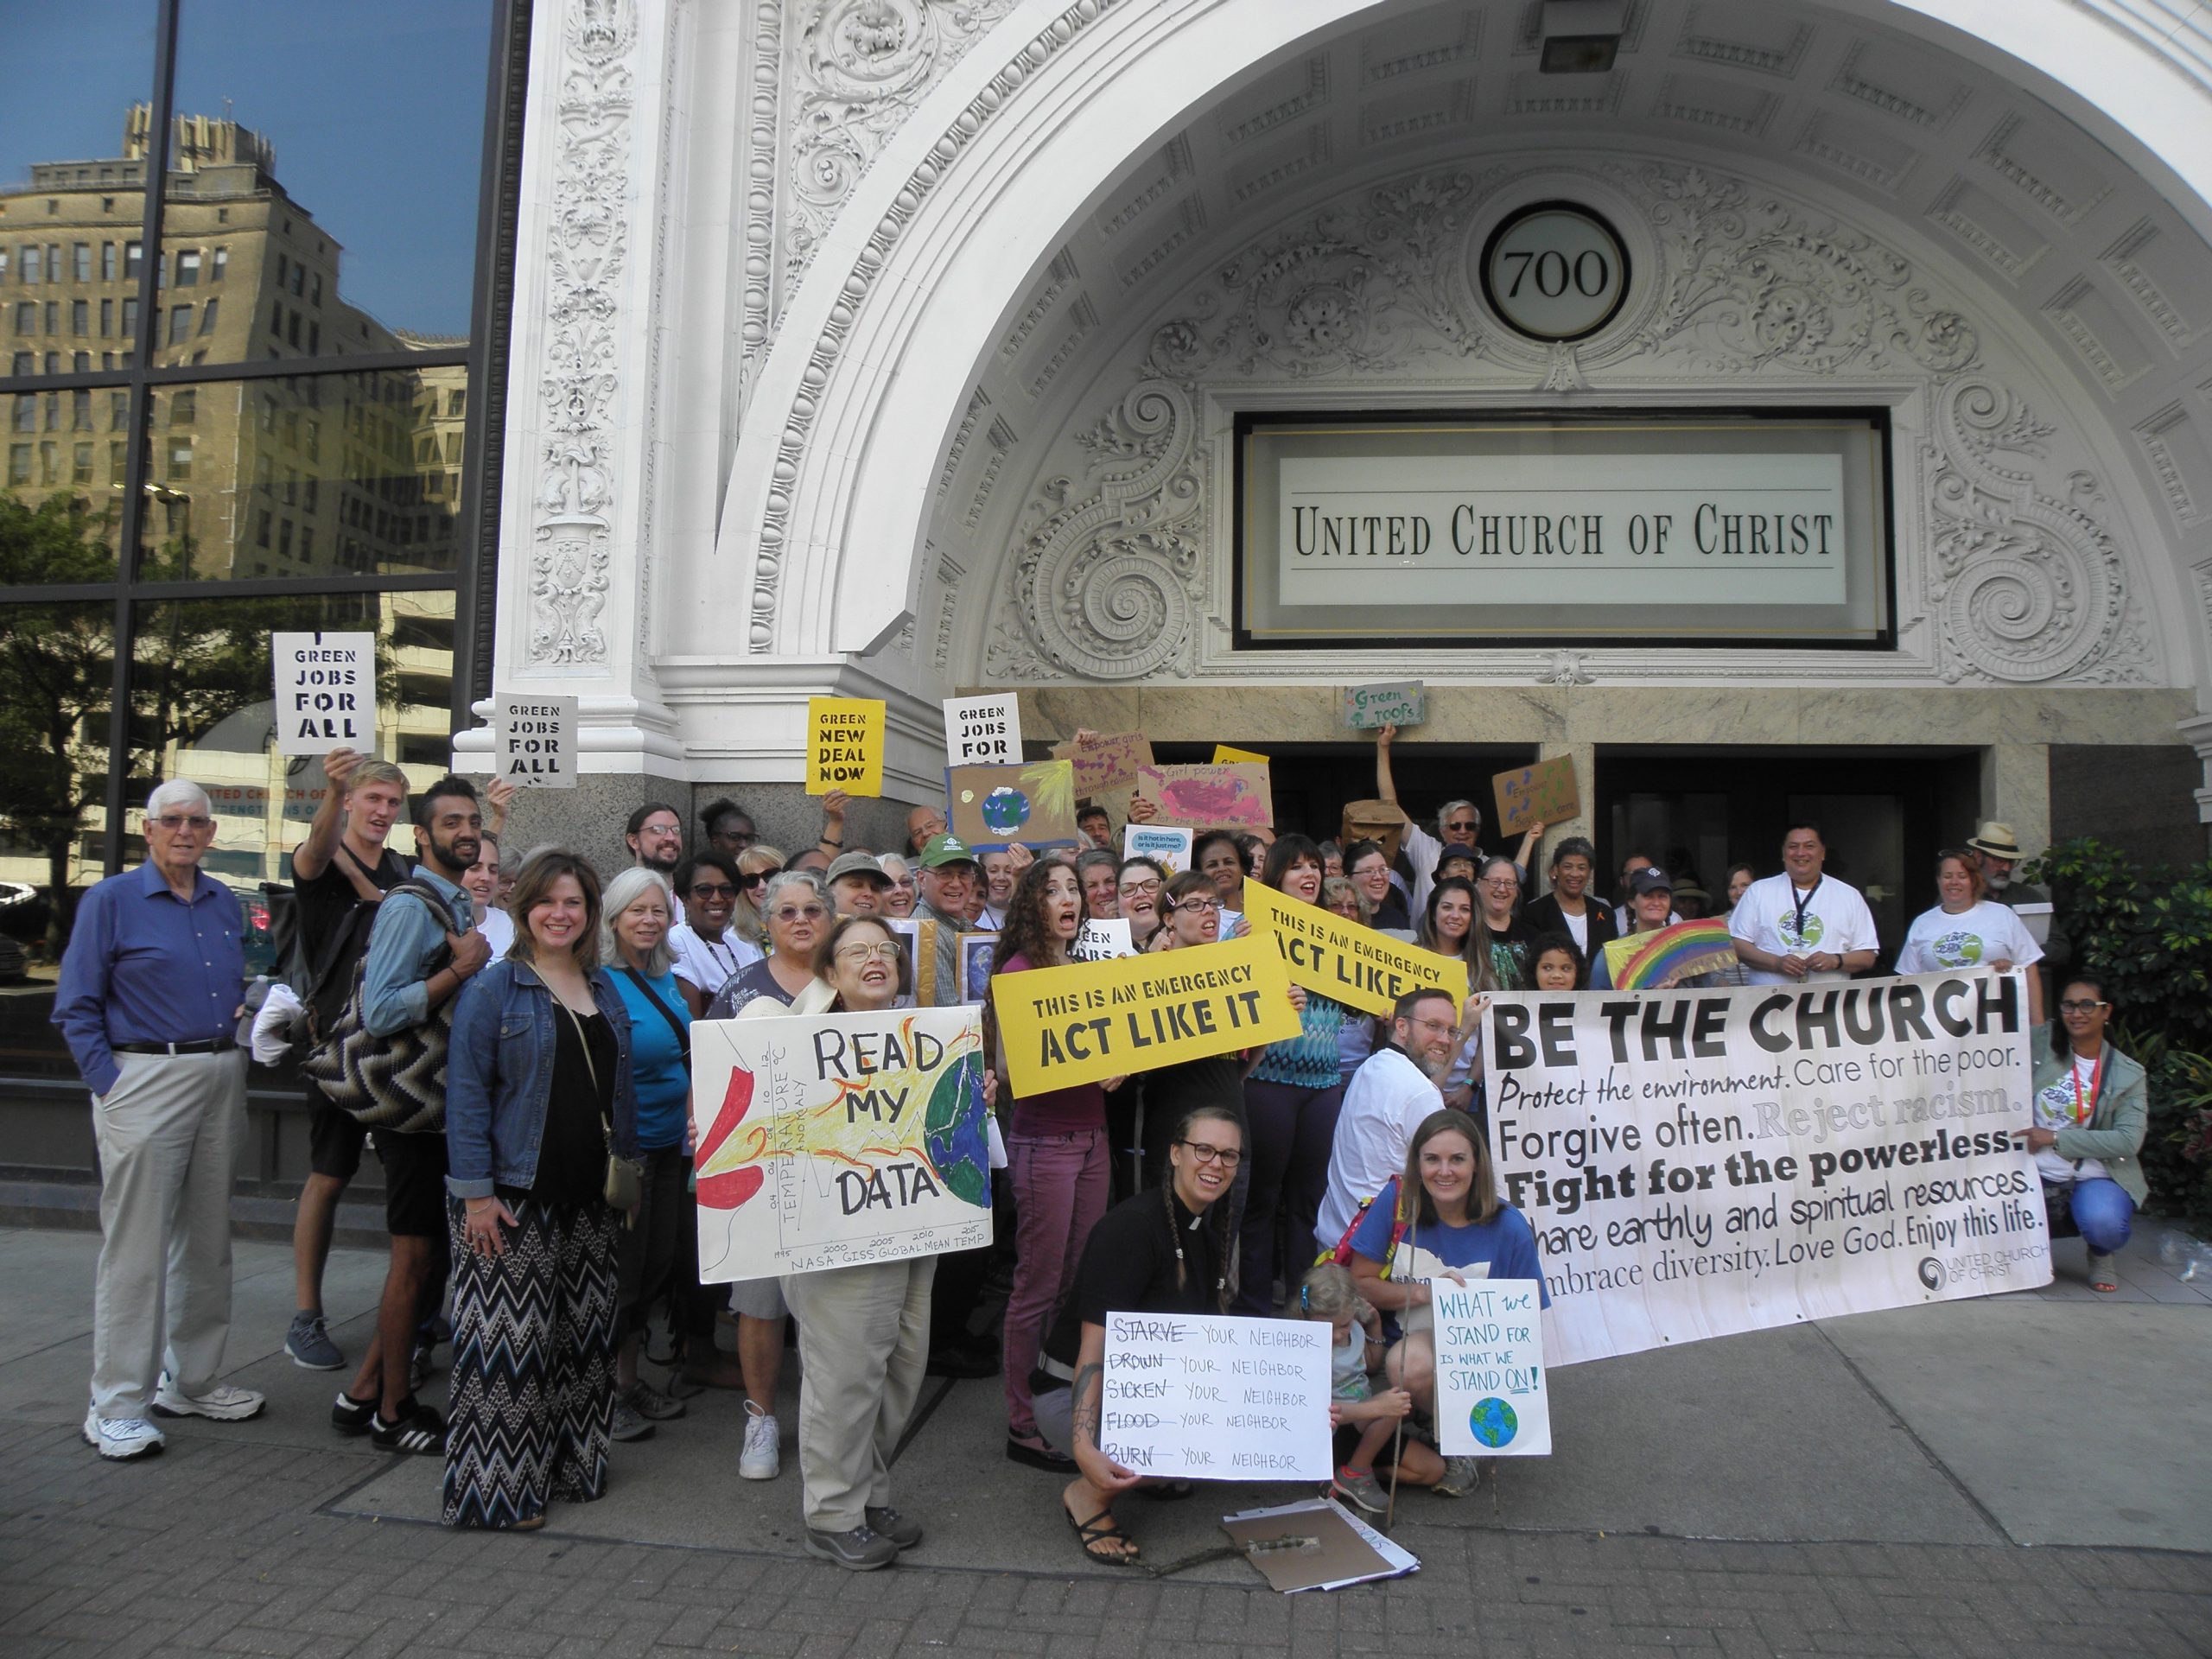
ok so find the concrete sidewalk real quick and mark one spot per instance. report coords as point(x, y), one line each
point(1970, 1477)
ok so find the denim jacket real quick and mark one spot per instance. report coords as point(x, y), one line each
point(500, 1072)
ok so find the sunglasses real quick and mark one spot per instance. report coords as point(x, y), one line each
point(749, 882)
point(2079, 1006)
point(713, 890)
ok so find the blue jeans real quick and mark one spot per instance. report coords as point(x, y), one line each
point(2102, 1210)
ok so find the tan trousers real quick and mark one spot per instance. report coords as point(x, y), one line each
point(168, 1135)
point(863, 1344)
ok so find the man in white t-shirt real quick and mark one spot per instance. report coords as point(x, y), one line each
point(1802, 924)
point(1392, 1090)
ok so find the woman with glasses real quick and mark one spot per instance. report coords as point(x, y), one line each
point(1291, 1101)
point(797, 914)
point(1190, 915)
point(708, 950)
point(1058, 1158)
point(1966, 930)
point(1448, 927)
point(756, 865)
point(1368, 868)
point(1442, 1218)
point(2091, 1108)
point(1356, 1037)
point(1502, 957)
point(1171, 1250)
point(1138, 891)
point(899, 901)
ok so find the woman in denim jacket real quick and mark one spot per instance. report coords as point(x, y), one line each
point(2091, 1107)
point(537, 1093)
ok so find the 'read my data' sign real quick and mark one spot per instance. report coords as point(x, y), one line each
point(1697, 1163)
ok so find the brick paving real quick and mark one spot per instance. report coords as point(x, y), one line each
point(225, 1546)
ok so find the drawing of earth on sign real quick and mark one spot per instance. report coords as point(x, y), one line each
point(1005, 809)
point(1494, 1422)
point(953, 1134)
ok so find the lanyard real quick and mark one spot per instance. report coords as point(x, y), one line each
point(2082, 1114)
point(1801, 902)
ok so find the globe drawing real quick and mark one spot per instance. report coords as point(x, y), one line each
point(1494, 1422)
point(1005, 809)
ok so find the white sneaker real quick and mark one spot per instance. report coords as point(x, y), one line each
point(122, 1437)
point(222, 1403)
point(761, 1459)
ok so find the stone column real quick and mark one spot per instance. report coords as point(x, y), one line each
point(2016, 789)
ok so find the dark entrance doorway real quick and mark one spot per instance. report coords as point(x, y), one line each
point(1884, 814)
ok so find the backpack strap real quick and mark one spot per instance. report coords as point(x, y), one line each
point(683, 1031)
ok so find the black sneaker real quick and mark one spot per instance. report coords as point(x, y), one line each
point(861, 1550)
point(420, 1431)
point(352, 1417)
point(887, 1521)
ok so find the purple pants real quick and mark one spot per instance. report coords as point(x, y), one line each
point(1061, 1182)
point(1286, 1149)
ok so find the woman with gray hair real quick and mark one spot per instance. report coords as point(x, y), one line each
point(796, 913)
point(659, 1252)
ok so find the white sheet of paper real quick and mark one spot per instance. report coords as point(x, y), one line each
point(983, 731)
point(1101, 941)
point(1491, 1401)
point(1213, 1398)
point(325, 692)
point(1169, 844)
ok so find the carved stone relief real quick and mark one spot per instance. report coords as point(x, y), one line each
point(586, 250)
point(2022, 581)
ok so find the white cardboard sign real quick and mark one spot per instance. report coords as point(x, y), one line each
point(1169, 844)
point(1101, 941)
point(983, 731)
point(1491, 1397)
point(325, 692)
point(1212, 1397)
point(537, 740)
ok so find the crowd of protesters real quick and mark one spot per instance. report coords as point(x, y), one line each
point(540, 1203)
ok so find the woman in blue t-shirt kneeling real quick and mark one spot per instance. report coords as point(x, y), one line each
point(1443, 1218)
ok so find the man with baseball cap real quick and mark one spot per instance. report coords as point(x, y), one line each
point(947, 874)
point(858, 886)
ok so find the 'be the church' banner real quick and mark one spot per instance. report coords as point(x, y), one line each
point(1697, 1163)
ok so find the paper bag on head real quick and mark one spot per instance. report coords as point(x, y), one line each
point(1383, 822)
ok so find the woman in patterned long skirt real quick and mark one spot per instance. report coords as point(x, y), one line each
point(537, 1093)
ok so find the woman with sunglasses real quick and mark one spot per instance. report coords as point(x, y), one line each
point(1172, 1250)
point(1059, 1161)
point(755, 866)
point(2091, 1108)
point(797, 914)
point(709, 951)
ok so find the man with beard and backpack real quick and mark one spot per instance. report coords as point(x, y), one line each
point(423, 948)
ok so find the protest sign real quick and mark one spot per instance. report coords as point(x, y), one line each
point(1490, 1398)
point(917, 938)
point(1401, 702)
point(325, 692)
point(992, 808)
point(1210, 797)
point(976, 953)
point(1168, 843)
point(1102, 942)
point(1105, 763)
point(983, 731)
point(1356, 966)
point(844, 746)
point(1223, 755)
point(1543, 793)
point(1091, 1020)
point(537, 738)
point(1199, 1396)
point(1697, 1163)
point(830, 1140)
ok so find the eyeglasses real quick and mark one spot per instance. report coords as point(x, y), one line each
point(1500, 883)
point(1466, 824)
point(713, 890)
point(888, 951)
point(2079, 1006)
point(1198, 904)
point(1140, 889)
point(1443, 1028)
point(175, 825)
point(787, 915)
point(739, 839)
point(1206, 1154)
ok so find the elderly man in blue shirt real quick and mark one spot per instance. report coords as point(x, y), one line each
point(149, 1001)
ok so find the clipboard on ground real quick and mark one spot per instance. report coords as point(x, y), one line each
point(1317, 1544)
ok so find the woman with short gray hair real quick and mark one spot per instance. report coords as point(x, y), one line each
point(796, 913)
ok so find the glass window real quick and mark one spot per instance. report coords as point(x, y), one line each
point(133, 253)
point(107, 318)
point(25, 416)
point(80, 261)
point(222, 264)
point(80, 411)
point(180, 323)
point(27, 316)
point(208, 315)
point(26, 363)
point(184, 407)
point(34, 263)
point(119, 410)
point(80, 362)
point(187, 268)
point(107, 261)
point(3, 265)
point(130, 317)
point(180, 459)
point(19, 463)
point(80, 316)
point(80, 467)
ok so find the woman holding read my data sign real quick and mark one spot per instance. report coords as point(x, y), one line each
point(1441, 1219)
point(2091, 1108)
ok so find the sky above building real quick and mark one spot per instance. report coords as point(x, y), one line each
point(375, 113)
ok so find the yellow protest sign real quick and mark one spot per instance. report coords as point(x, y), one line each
point(844, 745)
point(1223, 755)
point(1356, 966)
point(1089, 1021)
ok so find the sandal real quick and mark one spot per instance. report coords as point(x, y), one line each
point(2102, 1279)
point(1096, 1531)
point(1038, 1457)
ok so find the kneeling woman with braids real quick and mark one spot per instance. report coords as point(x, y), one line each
point(1165, 1250)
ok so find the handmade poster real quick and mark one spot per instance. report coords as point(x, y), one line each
point(1210, 797)
point(1341, 959)
point(1103, 941)
point(1659, 961)
point(325, 692)
point(920, 939)
point(1698, 1163)
point(1543, 793)
point(983, 731)
point(1195, 1396)
point(830, 1140)
point(1091, 1020)
point(1105, 762)
point(1316, 1544)
point(1401, 702)
point(976, 951)
point(1223, 755)
point(536, 740)
point(1168, 843)
point(1491, 1397)
point(992, 808)
point(844, 746)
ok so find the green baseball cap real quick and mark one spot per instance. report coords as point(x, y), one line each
point(941, 850)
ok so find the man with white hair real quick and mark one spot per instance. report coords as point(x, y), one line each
point(1458, 823)
point(148, 1000)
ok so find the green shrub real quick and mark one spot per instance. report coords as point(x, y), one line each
point(2146, 931)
